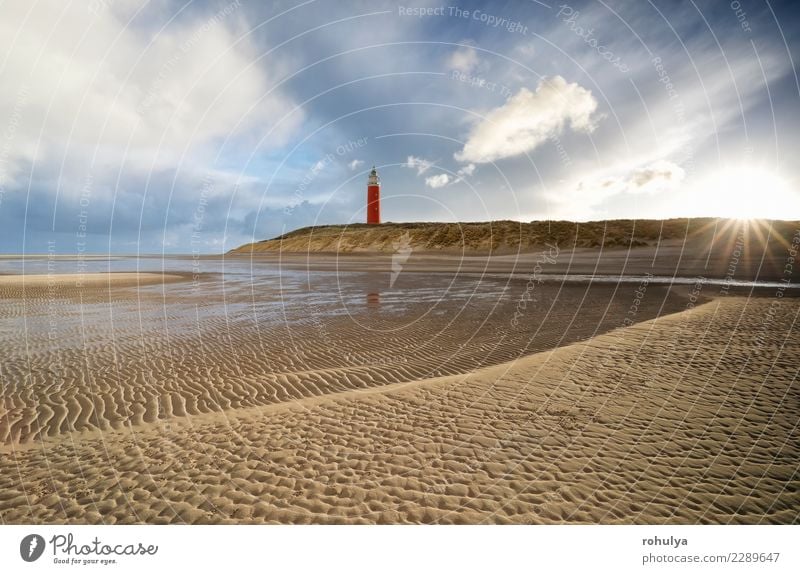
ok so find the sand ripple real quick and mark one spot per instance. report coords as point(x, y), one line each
point(94, 360)
point(689, 418)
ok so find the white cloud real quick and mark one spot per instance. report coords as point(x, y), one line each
point(659, 176)
point(318, 167)
point(131, 96)
point(652, 178)
point(464, 59)
point(528, 119)
point(525, 50)
point(421, 165)
point(437, 181)
point(467, 170)
point(355, 164)
point(645, 181)
point(444, 179)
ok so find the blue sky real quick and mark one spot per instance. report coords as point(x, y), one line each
point(181, 127)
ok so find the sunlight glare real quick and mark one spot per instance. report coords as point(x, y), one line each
point(746, 193)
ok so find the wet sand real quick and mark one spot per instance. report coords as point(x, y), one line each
point(211, 402)
point(668, 259)
point(12, 284)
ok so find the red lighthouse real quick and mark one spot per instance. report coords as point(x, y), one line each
point(373, 198)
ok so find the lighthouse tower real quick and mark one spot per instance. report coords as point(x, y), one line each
point(373, 198)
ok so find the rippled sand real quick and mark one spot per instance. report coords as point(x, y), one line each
point(154, 412)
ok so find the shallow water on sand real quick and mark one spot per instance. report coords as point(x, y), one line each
point(235, 335)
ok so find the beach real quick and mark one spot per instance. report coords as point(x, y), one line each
point(250, 395)
point(272, 264)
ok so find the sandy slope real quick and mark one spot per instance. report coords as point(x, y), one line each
point(687, 418)
point(516, 236)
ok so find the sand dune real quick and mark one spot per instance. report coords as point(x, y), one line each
point(695, 246)
point(687, 418)
point(712, 248)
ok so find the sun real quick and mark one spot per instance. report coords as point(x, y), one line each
point(746, 193)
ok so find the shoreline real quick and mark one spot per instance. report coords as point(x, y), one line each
point(112, 278)
point(123, 278)
point(663, 262)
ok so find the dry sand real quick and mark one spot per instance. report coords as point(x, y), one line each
point(688, 418)
point(79, 280)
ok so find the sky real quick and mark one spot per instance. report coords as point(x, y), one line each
point(193, 127)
